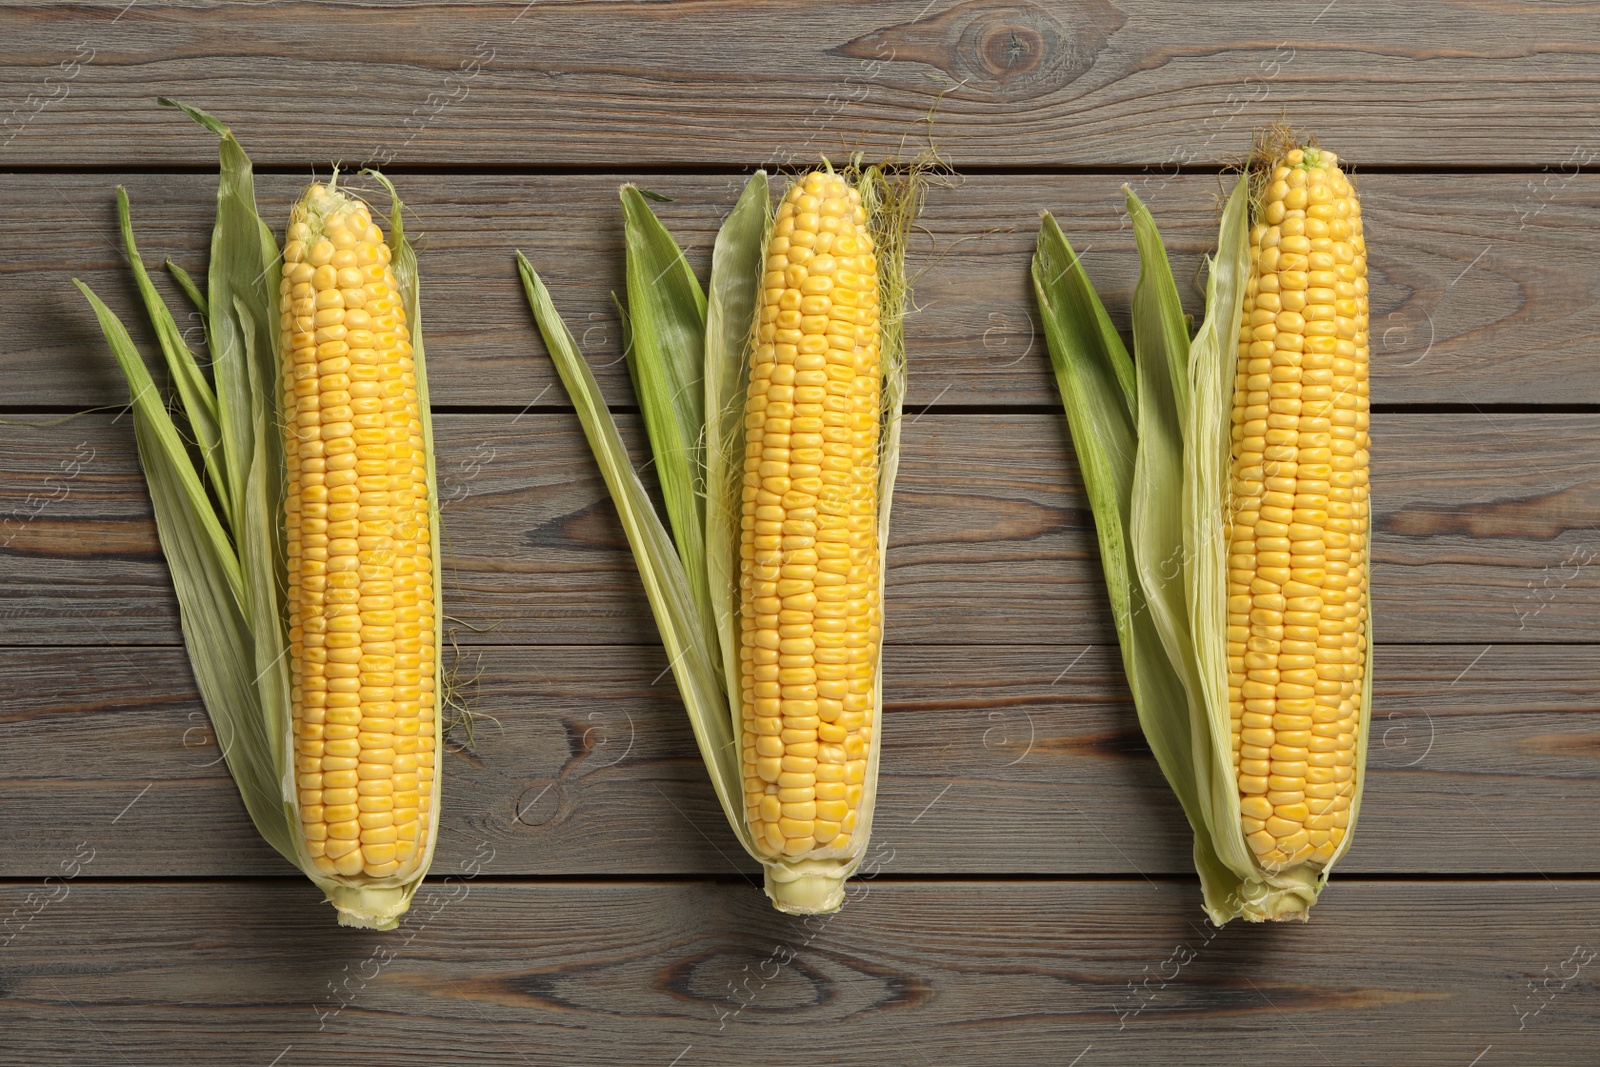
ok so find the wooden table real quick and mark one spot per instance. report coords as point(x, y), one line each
point(1034, 900)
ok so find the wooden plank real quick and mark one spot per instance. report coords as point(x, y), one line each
point(990, 82)
point(997, 761)
point(1428, 974)
point(1482, 534)
point(1471, 302)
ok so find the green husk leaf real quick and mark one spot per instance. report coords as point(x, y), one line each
point(736, 265)
point(1179, 536)
point(194, 392)
point(241, 310)
point(683, 628)
point(1207, 434)
point(222, 649)
point(1094, 373)
point(667, 315)
point(1159, 325)
point(626, 325)
point(195, 296)
point(261, 555)
point(204, 118)
point(243, 252)
point(1158, 526)
point(211, 590)
point(1091, 367)
point(177, 468)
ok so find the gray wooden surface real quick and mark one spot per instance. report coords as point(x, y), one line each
point(1478, 296)
point(1031, 899)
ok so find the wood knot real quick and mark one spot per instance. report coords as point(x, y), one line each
point(539, 803)
point(1009, 52)
point(741, 980)
point(1005, 51)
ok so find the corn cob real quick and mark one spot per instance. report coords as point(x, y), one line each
point(1227, 468)
point(1298, 515)
point(810, 616)
point(767, 588)
point(329, 725)
point(360, 559)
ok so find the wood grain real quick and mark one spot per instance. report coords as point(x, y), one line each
point(1484, 532)
point(991, 82)
point(997, 761)
point(1483, 292)
point(1029, 899)
point(1426, 974)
